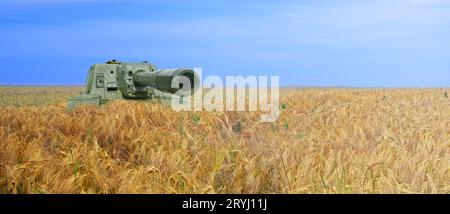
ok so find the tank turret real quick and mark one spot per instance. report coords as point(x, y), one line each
point(117, 80)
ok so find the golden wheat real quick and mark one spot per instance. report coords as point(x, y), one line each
point(325, 141)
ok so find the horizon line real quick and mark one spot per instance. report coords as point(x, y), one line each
point(281, 86)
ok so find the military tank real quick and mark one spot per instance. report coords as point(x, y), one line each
point(139, 81)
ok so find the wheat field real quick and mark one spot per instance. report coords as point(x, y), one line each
point(325, 141)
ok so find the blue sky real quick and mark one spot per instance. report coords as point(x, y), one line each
point(371, 43)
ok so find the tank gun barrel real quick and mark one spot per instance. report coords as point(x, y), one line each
point(169, 80)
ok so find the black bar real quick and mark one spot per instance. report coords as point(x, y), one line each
point(274, 203)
